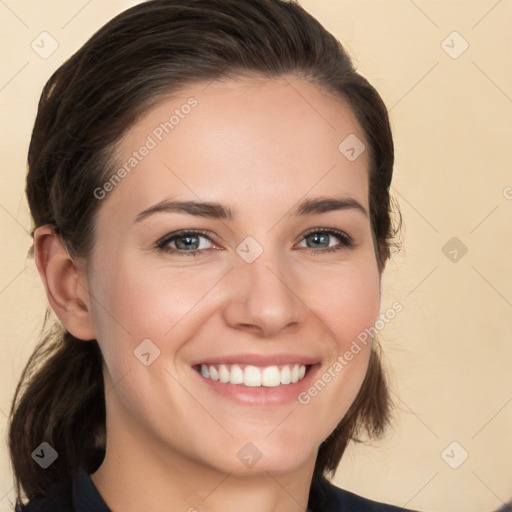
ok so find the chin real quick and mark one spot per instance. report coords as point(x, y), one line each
point(261, 457)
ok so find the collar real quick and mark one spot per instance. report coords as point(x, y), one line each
point(85, 495)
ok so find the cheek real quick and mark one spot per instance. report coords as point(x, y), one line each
point(134, 302)
point(347, 299)
point(143, 300)
point(348, 303)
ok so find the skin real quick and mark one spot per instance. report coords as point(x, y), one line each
point(260, 147)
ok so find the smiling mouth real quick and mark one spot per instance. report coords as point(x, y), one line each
point(254, 376)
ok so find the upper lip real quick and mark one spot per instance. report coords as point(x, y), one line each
point(259, 359)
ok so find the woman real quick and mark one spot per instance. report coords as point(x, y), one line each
point(209, 183)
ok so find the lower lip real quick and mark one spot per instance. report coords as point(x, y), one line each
point(262, 395)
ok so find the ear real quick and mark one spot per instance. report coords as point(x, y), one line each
point(65, 283)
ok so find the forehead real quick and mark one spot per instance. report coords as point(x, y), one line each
point(243, 142)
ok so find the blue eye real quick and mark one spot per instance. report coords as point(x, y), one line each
point(186, 243)
point(197, 243)
point(320, 239)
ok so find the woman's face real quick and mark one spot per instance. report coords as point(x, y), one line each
point(275, 279)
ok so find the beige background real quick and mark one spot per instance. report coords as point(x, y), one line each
point(449, 351)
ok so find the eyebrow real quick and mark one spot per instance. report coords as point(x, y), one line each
point(218, 211)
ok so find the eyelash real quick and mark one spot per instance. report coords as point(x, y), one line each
point(347, 242)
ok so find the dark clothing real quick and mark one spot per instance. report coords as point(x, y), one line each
point(82, 496)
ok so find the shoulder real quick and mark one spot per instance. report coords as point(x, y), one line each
point(326, 497)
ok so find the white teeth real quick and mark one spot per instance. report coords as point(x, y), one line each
point(214, 374)
point(295, 373)
point(223, 373)
point(271, 376)
point(286, 375)
point(237, 375)
point(252, 376)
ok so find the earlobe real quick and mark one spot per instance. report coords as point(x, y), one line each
point(65, 283)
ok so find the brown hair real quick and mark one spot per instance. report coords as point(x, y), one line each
point(148, 51)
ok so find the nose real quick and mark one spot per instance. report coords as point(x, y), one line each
point(264, 296)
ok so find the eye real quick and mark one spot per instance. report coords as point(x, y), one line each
point(321, 239)
point(185, 243)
